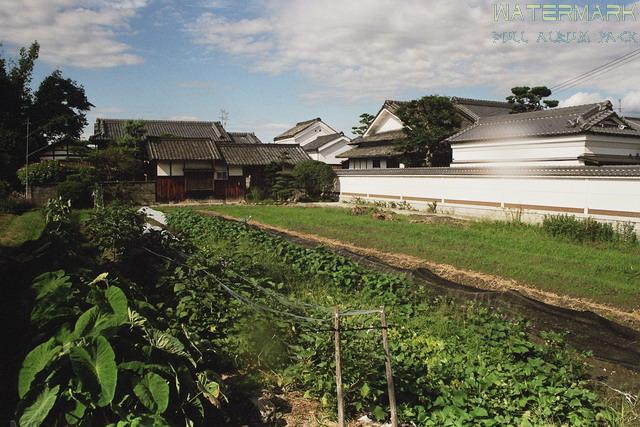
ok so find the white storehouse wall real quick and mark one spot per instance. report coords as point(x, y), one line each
point(609, 194)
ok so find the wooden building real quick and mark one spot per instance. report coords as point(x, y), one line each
point(199, 159)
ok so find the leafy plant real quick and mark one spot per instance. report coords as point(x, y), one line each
point(45, 172)
point(586, 230)
point(316, 178)
point(452, 364)
point(114, 229)
point(104, 361)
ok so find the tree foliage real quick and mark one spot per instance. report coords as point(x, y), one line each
point(365, 120)
point(56, 110)
point(525, 99)
point(427, 123)
point(317, 179)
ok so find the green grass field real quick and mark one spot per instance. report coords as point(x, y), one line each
point(17, 229)
point(605, 273)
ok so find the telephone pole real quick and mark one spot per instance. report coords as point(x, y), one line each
point(26, 160)
point(224, 117)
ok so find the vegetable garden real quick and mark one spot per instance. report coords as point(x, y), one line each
point(183, 330)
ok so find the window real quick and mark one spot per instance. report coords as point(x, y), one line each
point(222, 175)
point(376, 163)
point(393, 163)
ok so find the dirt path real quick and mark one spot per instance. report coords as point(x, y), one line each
point(462, 276)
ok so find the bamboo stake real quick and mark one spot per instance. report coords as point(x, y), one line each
point(388, 372)
point(339, 371)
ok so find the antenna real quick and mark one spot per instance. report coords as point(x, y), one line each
point(224, 117)
point(620, 106)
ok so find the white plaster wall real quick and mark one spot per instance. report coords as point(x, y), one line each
point(587, 195)
point(547, 151)
point(385, 121)
point(329, 152)
point(163, 169)
point(521, 152)
point(235, 171)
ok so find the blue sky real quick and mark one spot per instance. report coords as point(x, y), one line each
point(272, 63)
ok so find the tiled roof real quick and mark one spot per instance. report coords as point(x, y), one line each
point(110, 129)
point(299, 127)
point(244, 138)
point(322, 140)
point(369, 150)
point(182, 149)
point(262, 154)
point(473, 108)
point(478, 108)
point(590, 118)
point(633, 121)
point(391, 135)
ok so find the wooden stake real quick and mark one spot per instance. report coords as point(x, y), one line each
point(389, 373)
point(339, 371)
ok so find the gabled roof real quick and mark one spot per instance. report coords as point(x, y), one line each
point(323, 140)
point(299, 127)
point(262, 154)
point(388, 136)
point(110, 129)
point(475, 109)
point(182, 149)
point(371, 150)
point(591, 118)
point(244, 138)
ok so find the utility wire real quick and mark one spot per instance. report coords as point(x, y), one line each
point(611, 65)
point(241, 298)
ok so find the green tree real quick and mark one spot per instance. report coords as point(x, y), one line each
point(58, 111)
point(15, 98)
point(55, 111)
point(316, 178)
point(525, 99)
point(363, 124)
point(427, 123)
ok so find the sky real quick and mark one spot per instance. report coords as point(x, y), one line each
point(272, 63)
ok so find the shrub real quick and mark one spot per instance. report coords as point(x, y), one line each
point(114, 229)
point(581, 230)
point(316, 178)
point(46, 172)
point(78, 188)
point(284, 186)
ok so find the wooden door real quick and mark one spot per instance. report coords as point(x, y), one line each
point(170, 189)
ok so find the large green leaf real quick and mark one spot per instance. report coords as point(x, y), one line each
point(118, 302)
point(50, 282)
point(153, 392)
point(96, 320)
point(96, 367)
point(35, 414)
point(36, 361)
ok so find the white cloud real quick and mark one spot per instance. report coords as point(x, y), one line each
point(581, 98)
point(82, 33)
point(631, 103)
point(381, 48)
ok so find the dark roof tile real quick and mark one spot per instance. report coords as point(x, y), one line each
point(322, 140)
point(262, 154)
point(299, 127)
point(110, 129)
point(182, 149)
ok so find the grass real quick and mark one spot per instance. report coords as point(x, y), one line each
point(605, 273)
point(18, 229)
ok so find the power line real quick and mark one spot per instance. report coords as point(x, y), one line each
point(611, 65)
point(237, 296)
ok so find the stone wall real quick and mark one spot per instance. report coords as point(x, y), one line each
point(138, 192)
point(39, 195)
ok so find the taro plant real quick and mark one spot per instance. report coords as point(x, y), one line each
point(101, 361)
point(115, 229)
